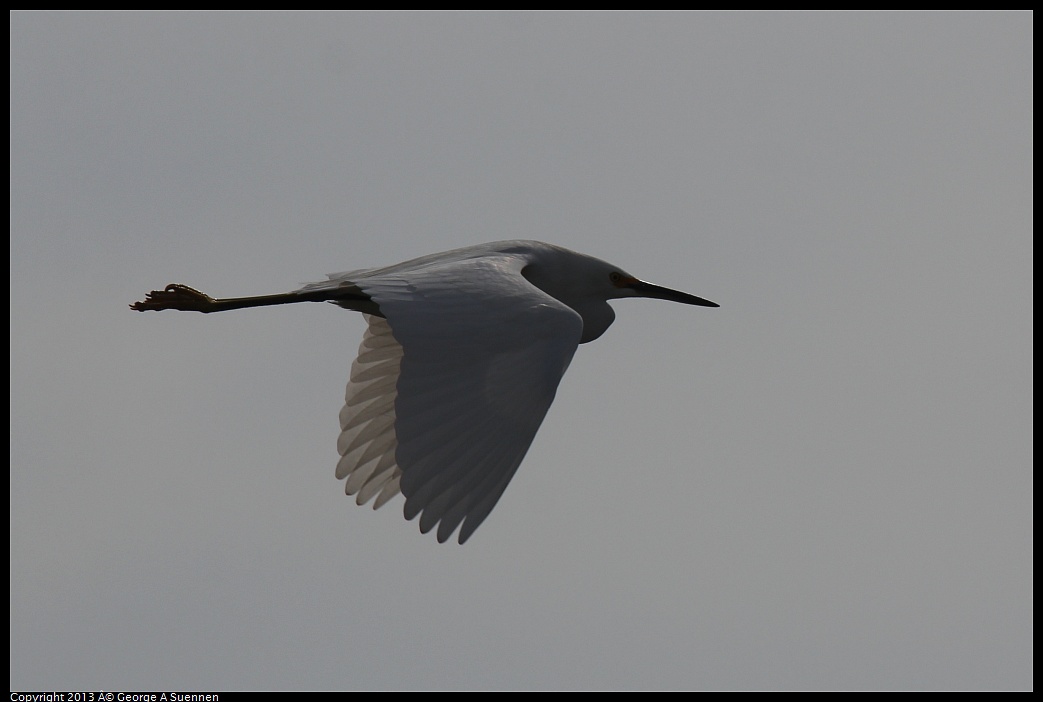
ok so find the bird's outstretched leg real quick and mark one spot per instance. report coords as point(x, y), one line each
point(181, 297)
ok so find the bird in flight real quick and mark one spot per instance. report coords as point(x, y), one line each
point(458, 366)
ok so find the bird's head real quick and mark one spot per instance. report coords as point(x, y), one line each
point(586, 284)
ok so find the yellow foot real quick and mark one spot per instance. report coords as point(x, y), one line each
point(176, 297)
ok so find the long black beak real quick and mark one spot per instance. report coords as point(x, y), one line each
point(657, 292)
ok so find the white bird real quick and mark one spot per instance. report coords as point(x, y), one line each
point(459, 365)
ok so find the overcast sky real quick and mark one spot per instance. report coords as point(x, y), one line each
point(825, 483)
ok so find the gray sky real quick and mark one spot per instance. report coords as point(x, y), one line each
point(825, 483)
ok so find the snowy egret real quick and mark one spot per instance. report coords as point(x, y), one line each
point(458, 367)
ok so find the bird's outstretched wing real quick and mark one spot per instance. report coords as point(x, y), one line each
point(450, 387)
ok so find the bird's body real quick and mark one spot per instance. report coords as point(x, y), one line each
point(459, 365)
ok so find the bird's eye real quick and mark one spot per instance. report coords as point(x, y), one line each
point(616, 277)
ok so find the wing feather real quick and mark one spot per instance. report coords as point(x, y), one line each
point(367, 439)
